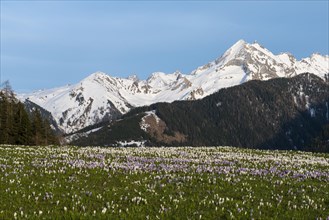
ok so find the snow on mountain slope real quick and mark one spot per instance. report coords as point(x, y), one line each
point(102, 97)
point(85, 103)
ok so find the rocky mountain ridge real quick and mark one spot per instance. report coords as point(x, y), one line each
point(100, 97)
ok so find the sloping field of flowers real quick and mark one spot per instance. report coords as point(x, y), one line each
point(161, 183)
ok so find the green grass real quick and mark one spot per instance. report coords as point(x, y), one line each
point(162, 183)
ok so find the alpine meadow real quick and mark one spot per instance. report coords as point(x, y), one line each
point(162, 183)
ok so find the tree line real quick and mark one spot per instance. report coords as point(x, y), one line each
point(19, 126)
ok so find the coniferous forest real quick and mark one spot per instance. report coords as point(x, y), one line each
point(257, 114)
point(19, 126)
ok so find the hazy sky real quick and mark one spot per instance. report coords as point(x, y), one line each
point(46, 44)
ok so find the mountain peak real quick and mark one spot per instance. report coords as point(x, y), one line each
point(96, 75)
point(232, 52)
point(239, 45)
point(133, 77)
point(155, 75)
point(99, 73)
point(100, 96)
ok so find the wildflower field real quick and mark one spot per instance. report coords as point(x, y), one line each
point(162, 183)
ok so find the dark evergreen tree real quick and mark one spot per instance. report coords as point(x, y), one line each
point(37, 128)
point(17, 127)
point(6, 123)
point(48, 135)
point(23, 126)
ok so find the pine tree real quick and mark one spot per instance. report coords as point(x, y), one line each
point(2, 116)
point(49, 136)
point(23, 126)
point(7, 113)
point(17, 127)
point(37, 128)
point(6, 119)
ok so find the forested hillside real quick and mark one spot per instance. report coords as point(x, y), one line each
point(283, 113)
point(20, 127)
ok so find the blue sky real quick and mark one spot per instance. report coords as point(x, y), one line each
point(46, 44)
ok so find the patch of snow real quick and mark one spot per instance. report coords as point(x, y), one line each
point(76, 136)
point(93, 130)
point(132, 142)
point(144, 125)
point(312, 112)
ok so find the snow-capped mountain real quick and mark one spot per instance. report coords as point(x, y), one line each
point(102, 97)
